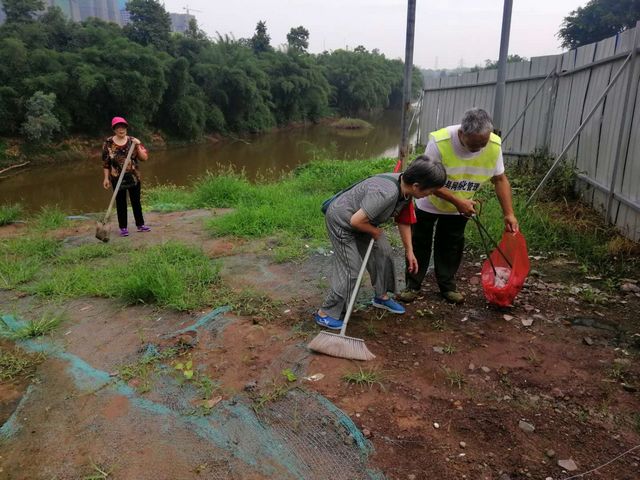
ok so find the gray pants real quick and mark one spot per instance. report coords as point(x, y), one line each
point(349, 248)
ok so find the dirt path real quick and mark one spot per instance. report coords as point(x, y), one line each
point(509, 401)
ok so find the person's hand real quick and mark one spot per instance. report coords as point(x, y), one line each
point(376, 233)
point(412, 263)
point(511, 223)
point(466, 207)
point(135, 141)
point(106, 183)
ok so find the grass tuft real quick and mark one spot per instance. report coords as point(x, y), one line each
point(10, 213)
point(50, 218)
point(15, 364)
point(367, 378)
point(35, 328)
point(455, 378)
point(171, 275)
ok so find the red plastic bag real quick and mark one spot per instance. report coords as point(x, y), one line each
point(502, 291)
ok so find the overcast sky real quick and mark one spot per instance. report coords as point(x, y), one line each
point(452, 31)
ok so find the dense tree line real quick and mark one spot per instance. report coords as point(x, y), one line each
point(597, 20)
point(61, 76)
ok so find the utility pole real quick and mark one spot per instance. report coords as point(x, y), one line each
point(502, 66)
point(406, 92)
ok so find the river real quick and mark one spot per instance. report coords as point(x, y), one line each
point(76, 187)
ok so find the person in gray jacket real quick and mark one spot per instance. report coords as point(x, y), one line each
point(354, 217)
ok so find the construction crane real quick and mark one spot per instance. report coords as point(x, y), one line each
point(189, 10)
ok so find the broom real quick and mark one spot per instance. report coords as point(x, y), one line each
point(339, 345)
point(102, 229)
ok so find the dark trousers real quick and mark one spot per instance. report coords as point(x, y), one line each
point(121, 204)
point(448, 246)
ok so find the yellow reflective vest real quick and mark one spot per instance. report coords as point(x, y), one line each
point(464, 176)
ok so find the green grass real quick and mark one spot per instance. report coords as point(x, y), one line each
point(15, 364)
point(454, 378)
point(369, 378)
point(50, 218)
point(170, 275)
point(21, 258)
point(167, 198)
point(287, 210)
point(35, 328)
point(10, 213)
point(89, 251)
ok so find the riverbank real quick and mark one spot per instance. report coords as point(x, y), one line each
point(16, 151)
point(195, 334)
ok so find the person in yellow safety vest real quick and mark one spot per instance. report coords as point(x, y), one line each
point(472, 155)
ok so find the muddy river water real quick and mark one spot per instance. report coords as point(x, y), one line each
point(76, 188)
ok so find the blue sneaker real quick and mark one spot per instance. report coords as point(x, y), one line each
point(388, 304)
point(328, 322)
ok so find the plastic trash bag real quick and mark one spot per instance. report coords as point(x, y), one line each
point(502, 287)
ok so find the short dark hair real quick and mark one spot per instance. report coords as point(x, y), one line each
point(426, 172)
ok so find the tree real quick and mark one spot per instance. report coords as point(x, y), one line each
point(20, 11)
point(182, 113)
point(150, 23)
point(298, 39)
point(41, 123)
point(598, 20)
point(194, 32)
point(493, 64)
point(260, 40)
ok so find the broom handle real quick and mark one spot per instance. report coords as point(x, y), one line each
point(115, 190)
point(352, 300)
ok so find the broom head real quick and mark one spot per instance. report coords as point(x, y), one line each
point(341, 346)
point(102, 232)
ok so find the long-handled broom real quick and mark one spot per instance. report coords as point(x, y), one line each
point(339, 345)
point(102, 228)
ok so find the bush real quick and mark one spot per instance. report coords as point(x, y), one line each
point(41, 123)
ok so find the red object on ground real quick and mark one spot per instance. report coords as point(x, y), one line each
point(514, 247)
point(408, 214)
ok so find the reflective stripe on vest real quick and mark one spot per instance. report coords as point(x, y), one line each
point(464, 176)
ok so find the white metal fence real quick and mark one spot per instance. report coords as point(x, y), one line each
point(576, 84)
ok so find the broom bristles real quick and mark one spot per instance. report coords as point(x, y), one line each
point(341, 346)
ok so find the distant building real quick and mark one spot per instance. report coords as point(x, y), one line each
point(180, 21)
point(107, 10)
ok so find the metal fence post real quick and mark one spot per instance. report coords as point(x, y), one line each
point(624, 135)
point(526, 107)
point(502, 65)
point(546, 139)
point(408, 71)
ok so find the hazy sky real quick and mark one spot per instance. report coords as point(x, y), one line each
point(451, 30)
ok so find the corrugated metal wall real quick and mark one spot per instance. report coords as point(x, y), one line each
point(555, 115)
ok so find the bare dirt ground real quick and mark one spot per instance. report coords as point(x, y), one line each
point(456, 392)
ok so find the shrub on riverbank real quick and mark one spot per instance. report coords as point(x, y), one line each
point(351, 124)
